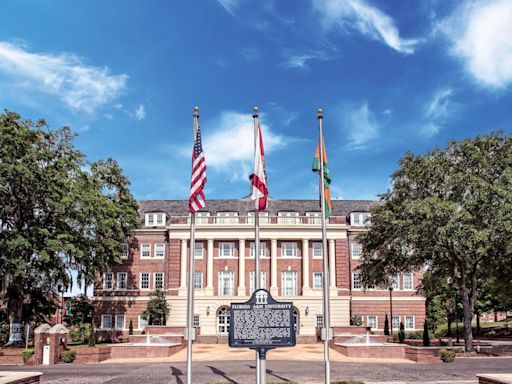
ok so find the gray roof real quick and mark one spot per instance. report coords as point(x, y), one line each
point(242, 206)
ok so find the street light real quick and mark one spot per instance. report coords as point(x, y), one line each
point(391, 302)
point(455, 309)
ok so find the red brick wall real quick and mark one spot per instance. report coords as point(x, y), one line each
point(91, 355)
point(11, 356)
point(381, 308)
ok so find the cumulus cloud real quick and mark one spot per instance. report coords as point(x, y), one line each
point(80, 87)
point(480, 33)
point(358, 15)
point(361, 125)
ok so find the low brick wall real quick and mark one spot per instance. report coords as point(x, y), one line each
point(20, 377)
point(423, 354)
point(11, 356)
point(162, 329)
point(164, 338)
point(396, 351)
point(495, 378)
point(132, 351)
point(86, 355)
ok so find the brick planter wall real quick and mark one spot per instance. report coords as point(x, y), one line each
point(375, 351)
point(130, 351)
point(423, 354)
point(91, 354)
point(11, 356)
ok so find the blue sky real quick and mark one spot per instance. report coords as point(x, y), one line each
point(391, 76)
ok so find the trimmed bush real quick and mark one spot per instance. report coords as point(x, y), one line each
point(68, 356)
point(447, 355)
point(26, 354)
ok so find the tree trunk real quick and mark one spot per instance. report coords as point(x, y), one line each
point(468, 302)
point(478, 324)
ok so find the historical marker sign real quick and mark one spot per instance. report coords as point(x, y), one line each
point(261, 322)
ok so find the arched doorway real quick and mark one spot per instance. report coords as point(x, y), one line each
point(223, 320)
point(296, 324)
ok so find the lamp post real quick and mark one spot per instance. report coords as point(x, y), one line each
point(457, 316)
point(60, 289)
point(391, 302)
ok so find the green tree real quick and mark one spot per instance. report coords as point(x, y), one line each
point(426, 338)
point(157, 310)
point(449, 211)
point(58, 212)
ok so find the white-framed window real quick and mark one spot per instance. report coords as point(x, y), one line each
point(158, 280)
point(120, 322)
point(196, 323)
point(144, 280)
point(317, 250)
point(356, 280)
point(372, 321)
point(124, 251)
point(262, 215)
point(263, 281)
point(289, 283)
point(289, 249)
point(355, 250)
point(227, 217)
point(122, 280)
point(314, 217)
point(226, 283)
point(395, 282)
point(150, 219)
point(288, 217)
point(319, 321)
point(106, 321)
point(198, 279)
point(145, 250)
point(409, 322)
point(160, 219)
point(359, 219)
point(395, 322)
point(223, 315)
point(226, 249)
point(262, 250)
point(408, 281)
point(155, 219)
point(108, 280)
point(160, 250)
point(143, 322)
point(198, 250)
point(318, 280)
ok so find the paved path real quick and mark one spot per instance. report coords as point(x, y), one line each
point(462, 369)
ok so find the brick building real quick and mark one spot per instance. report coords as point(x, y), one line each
point(291, 262)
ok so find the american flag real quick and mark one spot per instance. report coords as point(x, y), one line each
point(196, 200)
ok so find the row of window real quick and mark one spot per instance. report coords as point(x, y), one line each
point(372, 321)
point(407, 281)
point(120, 322)
point(122, 280)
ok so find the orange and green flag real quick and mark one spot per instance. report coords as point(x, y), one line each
point(327, 177)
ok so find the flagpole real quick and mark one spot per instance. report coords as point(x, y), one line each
point(190, 331)
point(260, 364)
point(327, 321)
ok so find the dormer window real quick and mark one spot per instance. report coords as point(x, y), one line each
point(155, 219)
point(227, 217)
point(287, 217)
point(360, 219)
point(314, 217)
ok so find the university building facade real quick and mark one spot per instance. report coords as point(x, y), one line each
point(291, 264)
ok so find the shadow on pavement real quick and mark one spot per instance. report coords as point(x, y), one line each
point(221, 373)
point(176, 373)
point(271, 373)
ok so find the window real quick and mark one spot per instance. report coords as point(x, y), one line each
point(226, 249)
point(120, 322)
point(314, 217)
point(158, 280)
point(150, 219)
point(202, 217)
point(372, 322)
point(317, 250)
point(262, 215)
point(394, 282)
point(106, 321)
point(356, 280)
point(144, 280)
point(262, 250)
point(160, 250)
point(319, 321)
point(195, 322)
point(289, 249)
point(395, 323)
point(198, 250)
point(408, 281)
point(409, 322)
point(263, 281)
point(288, 283)
point(155, 219)
point(143, 322)
point(227, 217)
point(121, 280)
point(145, 250)
point(198, 279)
point(359, 219)
point(108, 280)
point(160, 219)
point(223, 316)
point(356, 250)
point(288, 217)
point(318, 281)
point(124, 251)
point(226, 283)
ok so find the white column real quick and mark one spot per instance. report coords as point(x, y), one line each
point(183, 264)
point(209, 266)
point(305, 264)
point(332, 263)
point(241, 267)
point(273, 267)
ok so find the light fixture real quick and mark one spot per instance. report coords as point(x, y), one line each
point(208, 311)
point(307, 311)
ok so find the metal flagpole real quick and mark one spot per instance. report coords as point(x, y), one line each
point(326, 331)
point(190, 331)
point(260, 375)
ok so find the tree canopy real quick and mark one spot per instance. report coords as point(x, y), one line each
point(449, 211)
point(58, 212)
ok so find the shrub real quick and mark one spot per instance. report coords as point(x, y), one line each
point(416, 335)
point(447, 355)
point(426, 338)
point(79, 333)
point(356, 320)
point(68, 356)
point(26, 354)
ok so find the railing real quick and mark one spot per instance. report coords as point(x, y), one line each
point(249, 220)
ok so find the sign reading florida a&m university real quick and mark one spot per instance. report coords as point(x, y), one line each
point(261, 322)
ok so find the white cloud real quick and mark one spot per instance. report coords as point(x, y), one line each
point(361, 125)
point(481, 36)
point(229, 5)
point(366, 19)
point(437, 112)
point(231, 145)
point(430, 129)
point(301, 61)
point(249, 54)
point(80, 87)
point(438, 106)
point(140, 112)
